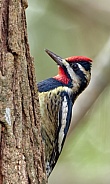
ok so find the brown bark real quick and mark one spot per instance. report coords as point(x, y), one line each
point(21, 148)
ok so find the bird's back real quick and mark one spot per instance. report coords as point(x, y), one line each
point(49, 84)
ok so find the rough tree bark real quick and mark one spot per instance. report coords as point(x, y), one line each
point(21, 148)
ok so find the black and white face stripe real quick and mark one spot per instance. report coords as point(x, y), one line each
point(70, 72)
point(79, 70)
point(86, 73)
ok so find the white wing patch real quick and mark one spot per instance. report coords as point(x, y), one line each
point(63, 123)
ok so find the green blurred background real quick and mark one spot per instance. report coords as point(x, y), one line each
point(68, 28)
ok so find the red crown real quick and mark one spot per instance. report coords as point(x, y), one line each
point(78, 59)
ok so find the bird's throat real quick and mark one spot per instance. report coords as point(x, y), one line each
point(62, 76)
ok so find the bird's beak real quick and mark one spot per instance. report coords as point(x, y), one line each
point(55, 57)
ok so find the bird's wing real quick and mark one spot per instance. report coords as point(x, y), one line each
point(64, 117)
point(65, 114)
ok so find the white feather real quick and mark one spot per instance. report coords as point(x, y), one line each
point(63, 123)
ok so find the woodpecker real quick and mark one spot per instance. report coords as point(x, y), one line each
point(57, 96)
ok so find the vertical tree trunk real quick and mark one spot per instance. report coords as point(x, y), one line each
point(21, 149)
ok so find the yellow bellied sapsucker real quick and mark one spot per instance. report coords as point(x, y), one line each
point(57, 96)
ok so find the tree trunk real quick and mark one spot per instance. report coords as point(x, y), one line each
point(21, 148)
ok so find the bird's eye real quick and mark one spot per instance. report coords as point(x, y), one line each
point(75, 66)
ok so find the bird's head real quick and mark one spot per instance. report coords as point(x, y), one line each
point(74, 72)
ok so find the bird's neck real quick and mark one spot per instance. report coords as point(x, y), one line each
point(62, 76)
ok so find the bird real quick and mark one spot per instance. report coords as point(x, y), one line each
point(57, 95)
